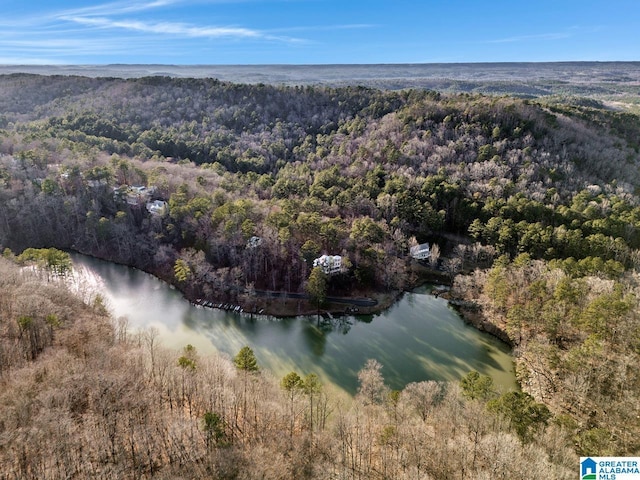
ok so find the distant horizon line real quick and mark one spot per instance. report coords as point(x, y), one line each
point(528, 62)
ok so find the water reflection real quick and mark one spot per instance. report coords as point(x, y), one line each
point(418, 338)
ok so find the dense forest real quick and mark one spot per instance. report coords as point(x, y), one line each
point(353, 171)
point(532, 204)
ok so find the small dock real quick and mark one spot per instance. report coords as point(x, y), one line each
point(199, 302)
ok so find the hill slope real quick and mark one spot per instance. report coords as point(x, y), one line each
point(538, 199)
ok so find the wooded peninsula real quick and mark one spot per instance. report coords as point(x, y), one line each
point(246, 193)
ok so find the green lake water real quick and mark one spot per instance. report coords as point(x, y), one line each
point(419, 338)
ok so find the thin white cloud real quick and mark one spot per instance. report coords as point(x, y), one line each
point(123, 28)
point(126, 7)
point(118, 8)
point(170, 28)
point(176, 29)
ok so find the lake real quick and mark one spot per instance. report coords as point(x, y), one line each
point(419, 338)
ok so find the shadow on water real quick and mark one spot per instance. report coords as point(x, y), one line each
point(315, 337)
point(418, 338)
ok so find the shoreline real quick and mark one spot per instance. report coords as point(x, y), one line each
point(474, 316)
point(280, 306)
point(272, 303)
point(276, 304)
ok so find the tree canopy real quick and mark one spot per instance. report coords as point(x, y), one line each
point(245, 360)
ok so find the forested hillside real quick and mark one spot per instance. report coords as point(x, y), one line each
point(352, 171)
point(533, 205)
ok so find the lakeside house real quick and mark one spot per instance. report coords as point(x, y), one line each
point(420, 252)
point(158, 208)
point(137, 194)
point(254, 242)
point(330, 264)
point(98, 183)
point(134, 194)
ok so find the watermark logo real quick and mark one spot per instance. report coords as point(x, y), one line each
point(588, 468)
point(610, 468)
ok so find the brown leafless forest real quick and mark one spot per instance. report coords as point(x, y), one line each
point(82, 397)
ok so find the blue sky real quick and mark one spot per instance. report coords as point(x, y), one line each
point(316, 31)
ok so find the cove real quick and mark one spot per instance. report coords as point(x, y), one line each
point(418, 338)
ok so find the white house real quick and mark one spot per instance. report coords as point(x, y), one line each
point(420, 252)
point(330, 264)
point(133, 194)
point(158, 208)
point(254, 242)
point(102, 182)
point(139, 193)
